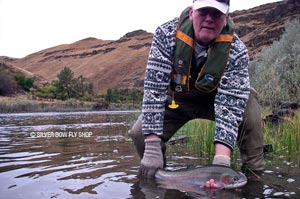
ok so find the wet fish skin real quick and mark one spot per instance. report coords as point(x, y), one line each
point(226, 177)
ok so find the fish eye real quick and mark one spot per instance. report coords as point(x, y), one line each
point(236, 178)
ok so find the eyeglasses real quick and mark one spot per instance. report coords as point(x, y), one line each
point(215, 14)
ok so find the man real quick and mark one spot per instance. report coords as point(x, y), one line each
point(198, 68)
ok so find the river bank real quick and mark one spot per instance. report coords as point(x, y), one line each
point(23, 103)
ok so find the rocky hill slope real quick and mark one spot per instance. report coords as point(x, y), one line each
point(121, 63)
point(261, 26)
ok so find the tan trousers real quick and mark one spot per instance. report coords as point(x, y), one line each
point(192, 106)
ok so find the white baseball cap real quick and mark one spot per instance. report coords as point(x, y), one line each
point(222, 5)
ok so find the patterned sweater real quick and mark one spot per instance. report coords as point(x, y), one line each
point(232, 92)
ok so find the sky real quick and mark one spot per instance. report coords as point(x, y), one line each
point(28, 26)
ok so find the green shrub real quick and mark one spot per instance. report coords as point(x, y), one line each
point(275, 73)
point(68, 86)
point(123, 95)
point(47, 92)
point(26, 83)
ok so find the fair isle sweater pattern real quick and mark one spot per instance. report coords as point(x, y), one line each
point(232, 92)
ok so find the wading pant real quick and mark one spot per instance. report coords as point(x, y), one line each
point(194, 105)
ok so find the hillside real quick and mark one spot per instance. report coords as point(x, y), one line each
point(121, 63)
point(260, 26)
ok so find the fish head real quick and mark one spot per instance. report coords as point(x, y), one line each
point(230, 181)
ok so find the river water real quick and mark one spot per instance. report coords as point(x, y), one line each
point(88, 155)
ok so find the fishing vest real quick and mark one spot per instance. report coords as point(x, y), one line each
point(210, 75)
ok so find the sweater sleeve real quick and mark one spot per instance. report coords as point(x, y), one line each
point(232, 96)
point(157, 80)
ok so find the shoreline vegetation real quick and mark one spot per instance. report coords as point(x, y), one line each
point(22, 104)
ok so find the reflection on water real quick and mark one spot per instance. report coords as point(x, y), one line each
point(88, 155)
point(66, 155)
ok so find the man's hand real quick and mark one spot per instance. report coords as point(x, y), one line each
point(222, 156)
point(222, 160)
point(153, 157)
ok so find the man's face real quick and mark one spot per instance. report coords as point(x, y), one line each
point(208, 24)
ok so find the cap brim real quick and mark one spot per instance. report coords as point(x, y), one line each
point(224, 8)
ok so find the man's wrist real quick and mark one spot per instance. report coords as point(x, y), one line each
point(221, 149)
point(152, 136)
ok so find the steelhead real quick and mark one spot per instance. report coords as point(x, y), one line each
point(225, 177)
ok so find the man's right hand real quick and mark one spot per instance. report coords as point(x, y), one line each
point(153, 157)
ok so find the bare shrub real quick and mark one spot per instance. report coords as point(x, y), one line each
point(8, 83)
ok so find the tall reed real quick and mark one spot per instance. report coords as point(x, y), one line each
point(285, 138)
point(200, 135)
